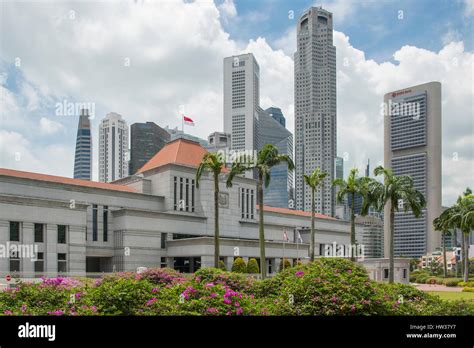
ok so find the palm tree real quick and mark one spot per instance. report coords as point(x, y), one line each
point(442, 226)
point(461, 216)
point(314, 180)
point(351, 187)
point(213, 163)
point(397, 192)
point(267, 158)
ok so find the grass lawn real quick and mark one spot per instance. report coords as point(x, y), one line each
point(446, 295)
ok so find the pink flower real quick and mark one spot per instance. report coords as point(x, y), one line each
point(227, 301)
point(213, 310)
point(94, 308)
point(208, 285)
point(8, 312)
point(213, 295)
point(239, 311)
point(353, 308)
point(78, 295)
point(23, 308)
point(334, 299)
point(237, 304)
point(57, 312)
point(150, 302)
point(154, 290)
point(349, 271)
point(299, 273)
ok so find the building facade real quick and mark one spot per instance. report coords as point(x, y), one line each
point(156, 218)
point(270, 131)
point(412, 146)
point(371, 235)
point(176, 133)
point(277, 115)
point(218, 141)
point(241, 100)
point(315, 107)
point(113, 148)
point(83, 155)
point(146, 139)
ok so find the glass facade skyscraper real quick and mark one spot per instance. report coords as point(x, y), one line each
point(83, 155)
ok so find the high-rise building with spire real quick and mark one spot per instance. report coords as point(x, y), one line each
point(83, 155)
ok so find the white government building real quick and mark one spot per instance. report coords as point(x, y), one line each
point(155, 218)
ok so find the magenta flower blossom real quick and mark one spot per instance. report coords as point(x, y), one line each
point(154, 290)
point(349, 271)
point(334, 299)
point(239, 311)
point(8, 312)
point(237, 304)
point(150, 302)
point(299, 273)
point(23, 308)
point(213, 295)
point(209, 285)
point(227, 301)
point(57, 312)
point(213, 310)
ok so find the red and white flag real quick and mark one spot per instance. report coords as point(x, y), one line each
point(285, 236)
point(188, 121)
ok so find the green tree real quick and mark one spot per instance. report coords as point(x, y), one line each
point(314, 180)
point(239, 265)
point(461, 216)
point(267, 158)
point(397, 193)
point(351, 187)
point(442, 225)
point(222, 265)
point(252, 266)
point(213, 163)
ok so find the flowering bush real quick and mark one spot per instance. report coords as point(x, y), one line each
point(326, 286)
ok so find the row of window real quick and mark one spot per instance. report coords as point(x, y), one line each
point(105, 223)
point(183, 194)
point(15, 227)
point(15, 263)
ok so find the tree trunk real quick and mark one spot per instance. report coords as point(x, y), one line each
point(463, 254)
point(216, 221)
point(352, 247)
point(261, 232)
point(311, 244)
point(445, 262)
point(466, 260)
point(391, 251)
point(455, 244)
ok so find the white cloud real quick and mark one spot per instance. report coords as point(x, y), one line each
point(50, 127)
point(176, 52)
point(227, 9)
point(468, 8)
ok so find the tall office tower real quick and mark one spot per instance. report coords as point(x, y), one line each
point(241, 100)
point(270, 131)
point(83, 156)
point(412, 146)
point(315, 107)
point(146, 139)
point(113, 147)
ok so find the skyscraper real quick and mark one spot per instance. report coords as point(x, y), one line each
point(113, 147)
point(241, 100)
point(315, 107)
point(218, 141)
point(412, 146)
point(277, 115)
point(271, 131)
point(146, 139)
point(83, 155)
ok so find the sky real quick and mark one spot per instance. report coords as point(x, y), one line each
point(146, 60)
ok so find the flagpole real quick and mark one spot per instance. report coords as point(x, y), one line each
point(182, 123)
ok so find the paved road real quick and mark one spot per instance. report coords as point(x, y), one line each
point(436, 287)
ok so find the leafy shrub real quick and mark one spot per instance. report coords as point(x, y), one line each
point(468, 289)
point(468, 284)
point(284, 264)
point(252, 266)
point(421, 279)
point(162, 276)
point(239, 265)
point(452, 281)
point(234, 281)
point(222, 265)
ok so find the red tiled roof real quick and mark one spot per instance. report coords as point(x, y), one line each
point(64, 180)
point(180, 151)
point(269, 209)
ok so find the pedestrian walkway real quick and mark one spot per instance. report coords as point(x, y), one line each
point(437, 287)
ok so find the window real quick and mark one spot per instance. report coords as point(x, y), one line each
point(62, 263)
point(106, 223)
point(94, 222)
point(247, 203)
point(404, 273)
point(61, 234)
point(385, 273)
point(39, 265)
point(163, 240)
point(39, 233)
point(185, 191)
point(163, 262)
point(14, 262)
point(14, 231)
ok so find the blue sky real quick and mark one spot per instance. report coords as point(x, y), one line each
point(176, 49)
point(372, 25)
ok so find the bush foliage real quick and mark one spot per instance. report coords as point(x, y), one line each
point(327, 286)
